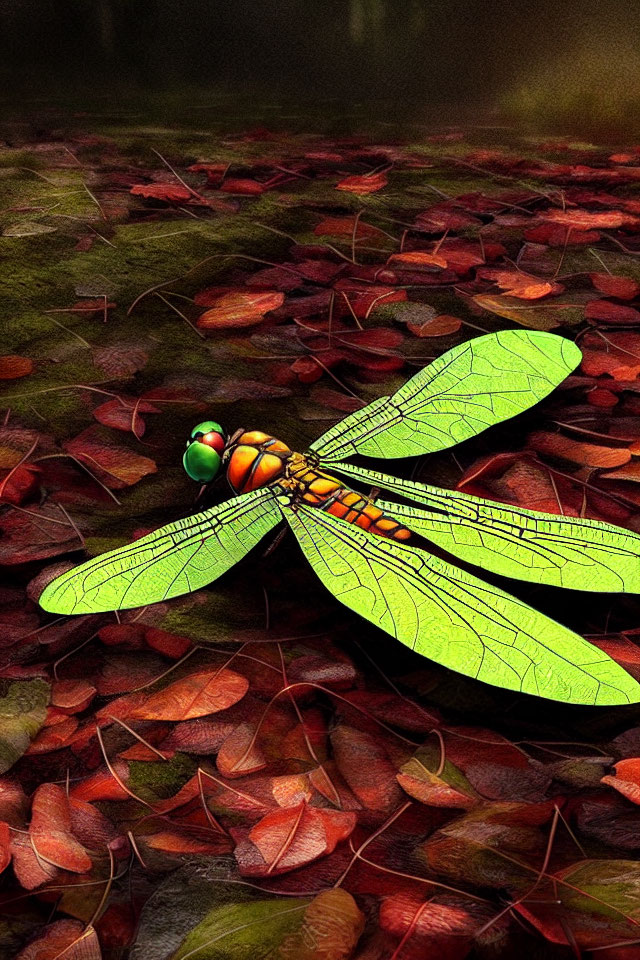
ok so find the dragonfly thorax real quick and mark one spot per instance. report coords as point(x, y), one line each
point(255, 459)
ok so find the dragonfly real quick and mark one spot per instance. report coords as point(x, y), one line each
point(373, 554)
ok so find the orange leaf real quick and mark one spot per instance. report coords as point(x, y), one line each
point(240, 309)
point(50, 830)
point(521, 285)
point(627, 779)
point(239, 754)
point(197, 695)
point(591, 220)
point(441, 326)
point(366, 183)
point(13, 367)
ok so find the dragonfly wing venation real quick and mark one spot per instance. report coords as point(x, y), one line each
point(471, 387)
point(175, 559)
point(512, 541)
point(454, 618)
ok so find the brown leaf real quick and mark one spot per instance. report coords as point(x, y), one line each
point(196, 695)
point(63, 940)
point(240, 309)
point(586, 454)
point(330, 930)
point(117, 467)
point(13, 367)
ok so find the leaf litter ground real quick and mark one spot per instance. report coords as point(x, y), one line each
point(249, 771)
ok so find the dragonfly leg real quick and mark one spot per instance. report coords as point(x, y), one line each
point(275, 543)
point(374, 493)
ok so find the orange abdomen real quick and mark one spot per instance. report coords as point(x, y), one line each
point(329, 494)
point(256, 460)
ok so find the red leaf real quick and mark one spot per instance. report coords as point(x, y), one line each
point(608, 312)
point(102, 785)
point(240, 309)
point(244, 186)
point(440, 927)
point(125, 414)
point(557, 235)
point(365, 183)
point(117, 467)
point(196, 695)
point(365, 766)
point(50, 830)
point(5, 845)
point(63, 940)
point(13, 367)
point(214, 171)
point(168, 644)
point(590, 219)
point(72, 696)
point(624, 288)
point(19, 484)
point(291, 837)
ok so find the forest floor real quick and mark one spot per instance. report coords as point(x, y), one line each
point(252, 771)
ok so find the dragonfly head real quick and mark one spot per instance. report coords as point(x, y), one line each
point(203, 457)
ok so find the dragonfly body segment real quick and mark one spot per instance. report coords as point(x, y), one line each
point(309, 485)
point(356, 548)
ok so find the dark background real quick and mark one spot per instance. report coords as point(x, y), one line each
point(577, 59)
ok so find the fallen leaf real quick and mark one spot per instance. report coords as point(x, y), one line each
point(365, 183)
point(196, 695)
point(50, 830)
point(240, 309)
point(23, 708)
point(117, 467)
point(624, 288)
point(627, 779)
point(290, 837)
point(587, 454)
point(63, 940)
point(13, 367)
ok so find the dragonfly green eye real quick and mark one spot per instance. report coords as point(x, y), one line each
point(202, 458)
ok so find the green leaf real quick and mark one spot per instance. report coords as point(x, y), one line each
point(23, 708)
point(203, 911)
point(243, 931)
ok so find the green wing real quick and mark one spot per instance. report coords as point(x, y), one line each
point(517, 543)
point(469, 388)
point(177, 558)
point(454, 618)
